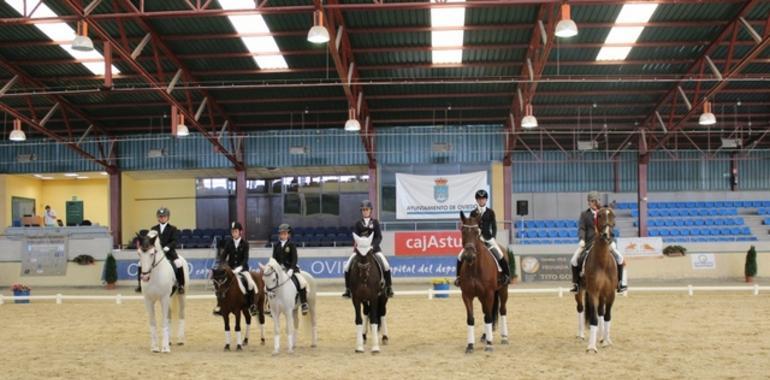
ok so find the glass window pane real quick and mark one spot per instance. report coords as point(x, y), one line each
point(292, 204)
point(312, 204)
point(330, 204)
point(388, 202)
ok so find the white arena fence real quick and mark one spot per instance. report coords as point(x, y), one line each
point(430, 293)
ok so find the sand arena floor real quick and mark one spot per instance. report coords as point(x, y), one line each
point(655, 336)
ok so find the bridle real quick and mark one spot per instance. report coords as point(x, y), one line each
point(277, 279)
point(220, 287)
point(469, 245)
point(154, 262)
point(606, 237)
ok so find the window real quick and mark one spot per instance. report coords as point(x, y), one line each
point(292, 204)
point(330, 204)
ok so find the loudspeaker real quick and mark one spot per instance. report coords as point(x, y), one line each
point(522, 208)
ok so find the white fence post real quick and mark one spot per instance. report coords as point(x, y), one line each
point(430, 293)
point(119, 299)
point(58, 298)
point(756, 289)
point(2, 299)
point(689, 289)
point(561, 292)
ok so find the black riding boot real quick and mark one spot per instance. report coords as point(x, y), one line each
point(506, 277)
point(138, 280)
point(347, 285)
point(179, 280)
point(388, 284)
point(621, 288)
point(303, 300)
point(575, 279)
point(252, 306)
point(457, 279)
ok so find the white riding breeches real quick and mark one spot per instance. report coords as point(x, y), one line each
point(383, 260)
point(249, 280)
point(613, 248)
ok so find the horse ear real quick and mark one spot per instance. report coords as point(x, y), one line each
point(462, 216)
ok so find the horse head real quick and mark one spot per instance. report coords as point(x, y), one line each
point(471, 233)
point(147, 247)
point(272, 274)
point(605, 223)
point(220, 276)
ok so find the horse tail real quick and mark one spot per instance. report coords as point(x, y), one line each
point(496, 308)
point(309, 321)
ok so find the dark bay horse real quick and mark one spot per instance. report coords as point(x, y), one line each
point(232, 301)
point(601, 280)
point(367, 291)
point(479, 279)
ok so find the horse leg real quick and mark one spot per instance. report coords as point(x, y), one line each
point(359, 326)
point(606, 341)
point(261, 308)
point(290, 331)
point(295, 318)
point(150, 307)
point(580, 315)
point(180, 337)
point(238, 345)
point(383, 325)
point(226, 319)
point(503, 315)
point(276, 329)
point(592, 305)
point(375, 324)
point(469, 319)
point(164, 304)
point(489, 317)
point(247, 318)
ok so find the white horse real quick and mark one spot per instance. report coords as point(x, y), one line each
point(282, 295)
point(157, 283)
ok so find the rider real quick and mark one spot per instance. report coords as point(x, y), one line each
point(168, 235)
point(236, 255)
point(285, 253)
point(488, 227)
point(363, 228)
point(587, 232)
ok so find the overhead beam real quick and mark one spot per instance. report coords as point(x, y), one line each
point(136, 67)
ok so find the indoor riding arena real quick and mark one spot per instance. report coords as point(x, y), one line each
point(397, 189)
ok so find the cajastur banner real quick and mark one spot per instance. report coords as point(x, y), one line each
point(428, 243)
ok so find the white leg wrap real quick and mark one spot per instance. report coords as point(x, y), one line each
point(606, 336)
point(248, 328)
point(503, 326)
point(180, 331)
point(488, 332)
point(238, 340)
point(383, 326)
point(277, 332)
point(471, 335)
point(154, 339)
point(625, 277)
point(166, 338)
point(350, 260)
point(262, 331)
point(360, 338)
point(227, 337)
point(581, 324)
point(385, 263)
point(592, 338)
point(600, 327)
point(375, 338)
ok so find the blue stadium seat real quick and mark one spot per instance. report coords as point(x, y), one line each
point(673, 232)
point(653, 232)
point(665, 232)
point(542, 234)
point(684, 232)
point(689, 222)
point(573, 233)
point(552, 233)
point(549, 224)
point(766, 221)
point(719, 222)
point(709, 222)
point(700, 204)
point(745, 231)
point(669, 223)
point(694, 231)
point(652, 205)
point(679, 223)
point(709, 205)
point(539, 224)
point(563, 233)
point(635, 213)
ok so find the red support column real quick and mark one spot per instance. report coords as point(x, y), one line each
point(107, 65)
point(240, 197)
point(644, 160)
point(373, 191)
point(115, 208)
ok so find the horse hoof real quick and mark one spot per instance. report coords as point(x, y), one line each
point(592, 349)
point(239, 348)
point(180, 343)
point(165, 350)
point(483, 338)
point(275, 353)
point(375, 351)
point(155, 349)
point(469, 349)
point(606, 343)
point(246, 342)
point(359, 350)
point(227, 347)
point(504, 341)
point(385, 340)
point(364, 338)
point(313, 345)
point(581, 337)
point(262, 341)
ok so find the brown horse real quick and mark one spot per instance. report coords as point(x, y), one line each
point(479, 279)
point(601, 280)
point(367, 291)
point(231, 300)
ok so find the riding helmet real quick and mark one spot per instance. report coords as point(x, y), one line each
point(236, 226)
point(482, 194)
point(366, 204)
point(593, 196)
point(284, 227)
point(162, 212)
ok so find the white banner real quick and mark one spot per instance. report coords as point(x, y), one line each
point(437, 196)
point(703, 261)
point(641, 247)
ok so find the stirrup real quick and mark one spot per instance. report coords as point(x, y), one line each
point(305, 308)
point(389, 292)
point(575, 288)
point(504, 278)
point(138, 289)
point(180, 289)
point(622, 288)
point(217, 311)
point(347, 293)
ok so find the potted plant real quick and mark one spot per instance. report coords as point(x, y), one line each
point(440, 284)
point(674, 250)
point(110, 271)
point(512, 265)
point(19, 290)
point(751, 264)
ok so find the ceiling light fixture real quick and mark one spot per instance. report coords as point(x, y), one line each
point(352, 125)
point(566, 28)
point(181, 129)
point(82, 42)
point(17, 134)
point(318, 33)
point(707, 117)
point(528, 121)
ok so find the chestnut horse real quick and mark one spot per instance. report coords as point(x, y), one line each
point(479, 279)
point(231, 300)
point(601, 280)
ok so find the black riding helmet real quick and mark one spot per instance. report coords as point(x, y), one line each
point(482, 194)
point(236, 226)
point(366, 204)
point(284, 227)
point(162, 212)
